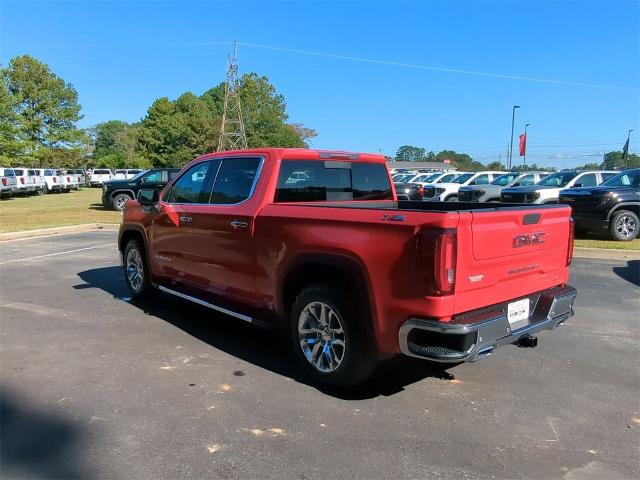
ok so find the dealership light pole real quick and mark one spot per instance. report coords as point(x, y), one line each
point(513, 118)
point(524, 157)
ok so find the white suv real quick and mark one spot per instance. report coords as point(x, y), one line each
point(548, 189)
point(99, 176)
point(433, 177)
point(448, 192)
point(491, 192)
point(8, 185)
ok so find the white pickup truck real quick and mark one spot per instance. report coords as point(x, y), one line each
point(99, 176)
point(491, 192)
point(53, 181)
point(24, 182)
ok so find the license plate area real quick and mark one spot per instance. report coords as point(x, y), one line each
point(518, 312)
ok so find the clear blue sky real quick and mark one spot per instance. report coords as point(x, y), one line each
point(121, 56)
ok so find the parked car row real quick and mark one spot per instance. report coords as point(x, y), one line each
point(116, 193)
point(601, 200)
point(37, 181)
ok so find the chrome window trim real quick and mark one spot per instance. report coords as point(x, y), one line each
point(251, 191)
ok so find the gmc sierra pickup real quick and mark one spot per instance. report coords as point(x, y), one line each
point(316, 242)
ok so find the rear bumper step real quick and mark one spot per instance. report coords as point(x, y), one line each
point(455, 341)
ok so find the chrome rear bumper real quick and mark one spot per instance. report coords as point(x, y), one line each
point(476, 334)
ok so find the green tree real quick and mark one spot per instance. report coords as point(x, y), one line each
point(45, 111)
point(409, 153)
point(116, 145)
point(175, 132)
point(461, 161)
point(495, 165)
point(10, 147)
point(614, 161)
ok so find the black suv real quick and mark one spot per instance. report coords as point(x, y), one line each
point(116, 193)
point(614, 205)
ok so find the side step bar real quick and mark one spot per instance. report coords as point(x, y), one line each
point(206, 304)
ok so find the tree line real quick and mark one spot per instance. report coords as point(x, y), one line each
point(39, 115)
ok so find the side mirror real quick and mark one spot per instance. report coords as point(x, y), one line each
point(148, 197)
point(577, 185)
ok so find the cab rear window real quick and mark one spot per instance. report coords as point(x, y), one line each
point(318, 181)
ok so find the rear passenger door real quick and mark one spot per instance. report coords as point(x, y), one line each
point(222, 260)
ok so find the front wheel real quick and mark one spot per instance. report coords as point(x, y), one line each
point(136, 273)
point(120, 200)
point(624, 225)
point(451, 198)
point(328, 338)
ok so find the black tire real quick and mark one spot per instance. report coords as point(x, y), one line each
point(358, 360)
point(120, 200)
point(451, 198)
point(134, 253)
point(624, 225)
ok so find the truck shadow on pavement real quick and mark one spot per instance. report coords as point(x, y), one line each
point(36, 443)
point(630, 273)
point(266, 348)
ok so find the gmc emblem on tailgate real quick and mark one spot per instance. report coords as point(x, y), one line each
point(528, 239)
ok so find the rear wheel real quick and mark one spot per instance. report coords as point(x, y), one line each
point(136, 273)
point(624, 225)
point(328, 339)
point(120, 200)
point(451, 198)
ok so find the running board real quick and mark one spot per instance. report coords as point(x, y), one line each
point(206, 304)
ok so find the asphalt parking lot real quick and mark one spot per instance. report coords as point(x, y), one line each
point(96, 386)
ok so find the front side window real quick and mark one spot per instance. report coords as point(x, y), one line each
point(102, 172)
point(152, 177)
point(19, 172)
point(504, 180)
point(525, 181)
point(317, 181)
point(462, 178)
point(607, 175)
point(235, 180)
point(630, 178)
point(190, 187)
point(448, 177)
point(480, 180)
point(558, 179)
point(49, 173)
point(8, 172)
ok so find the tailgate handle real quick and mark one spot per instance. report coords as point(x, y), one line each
point(531, 218)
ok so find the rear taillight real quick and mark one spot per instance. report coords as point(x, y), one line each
point(437, 254)
point(5, 181)
point(22, 180)
point(69, 179)
point(572, 234)
point(55, 179)
point(421, 192)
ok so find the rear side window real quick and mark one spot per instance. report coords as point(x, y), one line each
point(102, 172)
point(8, 172)
point(235, 180)
point(481, 180)
point(588, 180)
point(172, 174)
point(607, 176)
point(19, 172)
point(49, 173)
point(316, 181)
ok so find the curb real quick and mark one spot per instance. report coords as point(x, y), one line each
point(605, 253)
point(47, 232)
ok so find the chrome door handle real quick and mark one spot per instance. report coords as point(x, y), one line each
point(239, 224)
point(186, 219)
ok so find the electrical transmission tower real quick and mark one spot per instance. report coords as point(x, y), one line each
point(232, 136)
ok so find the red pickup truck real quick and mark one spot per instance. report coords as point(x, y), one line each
point(316, 242)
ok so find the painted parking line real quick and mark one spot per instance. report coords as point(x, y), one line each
point(102, 245)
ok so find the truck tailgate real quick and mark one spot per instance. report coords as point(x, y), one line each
point(514, 252)
point(517, 232)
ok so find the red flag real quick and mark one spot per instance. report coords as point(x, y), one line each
point(523, 144)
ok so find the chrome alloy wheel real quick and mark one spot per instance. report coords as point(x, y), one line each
point(322, 336)
point(120, 202)
point(626, 226)
point(135, 269)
